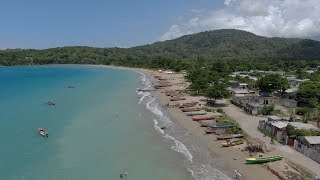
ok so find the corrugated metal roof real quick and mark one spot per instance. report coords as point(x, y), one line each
point(274, 118)
point(280, 124)
point(313, 139)
point(300, 125)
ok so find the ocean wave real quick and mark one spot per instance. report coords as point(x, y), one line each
point(179, 147)
point(154, 108)
point(144, 94)
point(157, 127)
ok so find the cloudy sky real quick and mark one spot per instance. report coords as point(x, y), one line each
point(281, 18)
point(126, 23)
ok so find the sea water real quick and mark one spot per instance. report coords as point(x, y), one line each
point(97, 130)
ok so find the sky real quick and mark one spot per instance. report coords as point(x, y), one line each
point(44, 24)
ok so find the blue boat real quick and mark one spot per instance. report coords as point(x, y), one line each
point(221, 126)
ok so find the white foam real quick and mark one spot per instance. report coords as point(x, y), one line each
point(144, 94)
point(154, 108)
point(157, 127)
point(179, 147)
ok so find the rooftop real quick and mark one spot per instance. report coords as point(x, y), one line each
point(274, 118)
point(313, 139)
point(300, 125)
point(240, 91)
point(280, 124)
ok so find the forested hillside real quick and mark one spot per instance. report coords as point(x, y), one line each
point(228, 46)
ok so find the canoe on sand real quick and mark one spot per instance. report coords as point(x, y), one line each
point(229, 136)
point(260, 160)
point(201, 118)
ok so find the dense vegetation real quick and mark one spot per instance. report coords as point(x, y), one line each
point(198, 49)
point(209, 57)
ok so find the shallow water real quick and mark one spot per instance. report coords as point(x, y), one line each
point(96, 130)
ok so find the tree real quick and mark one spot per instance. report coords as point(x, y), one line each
point(309, 94)
point(273, 82)
point(217, 91)
point(199, 85)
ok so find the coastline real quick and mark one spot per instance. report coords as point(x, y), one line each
point(226, 160)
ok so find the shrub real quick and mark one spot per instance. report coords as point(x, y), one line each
point(302, 111)
point(267, 109)
point(219, 110)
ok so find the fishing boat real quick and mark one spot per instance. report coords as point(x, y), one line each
point(221, 126)
point(260, 160)
point(43, 132)
point(210, 130)
point(207, 123)
point(177, 98)
point(201, 118)
point(71, 87)
point(51, 103)
point(190, 109)
point(185, 105)
point(233, 142)
point(229, 136)
point(196, 113)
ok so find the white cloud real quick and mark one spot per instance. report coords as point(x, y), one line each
point(281, 18)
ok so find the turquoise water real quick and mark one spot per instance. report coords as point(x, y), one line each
point(96, 130)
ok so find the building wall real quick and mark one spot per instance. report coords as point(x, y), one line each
point(311, 153)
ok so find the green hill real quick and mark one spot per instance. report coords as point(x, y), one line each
point(226, 44)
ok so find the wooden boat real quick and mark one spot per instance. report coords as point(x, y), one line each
point(162, 79)
point(177, 98)
point(196, 113)
point(162, 85)
point(190, 109)
point(233, 142)
point(221, 126)
point(185, 105)
point(157, 77)
point(260, 160)
point(43, 132)
point(201, 118)
point(229, 136)
point(207, 123)
point(210, 130)
point(71, 87)
point(51, 103)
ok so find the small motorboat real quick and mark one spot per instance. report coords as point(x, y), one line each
point(71, 87)
point(51, 103)
point(43, 132)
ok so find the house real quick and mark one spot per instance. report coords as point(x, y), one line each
point(309, 146)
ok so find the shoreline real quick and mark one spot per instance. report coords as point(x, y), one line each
point(226, 160)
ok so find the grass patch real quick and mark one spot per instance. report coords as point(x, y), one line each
point(228, 121)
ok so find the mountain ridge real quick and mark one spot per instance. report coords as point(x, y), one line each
point(224, 44)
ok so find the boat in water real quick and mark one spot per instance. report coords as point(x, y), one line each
point(233, 142)
point(229, 136)
point(72, 87)
point(260, 160)
point(51, 103)
point(43, 132)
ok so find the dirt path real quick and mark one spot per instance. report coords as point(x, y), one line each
point(250, 123)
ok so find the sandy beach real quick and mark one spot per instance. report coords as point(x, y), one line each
point(227, 159)
point(230, 158)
